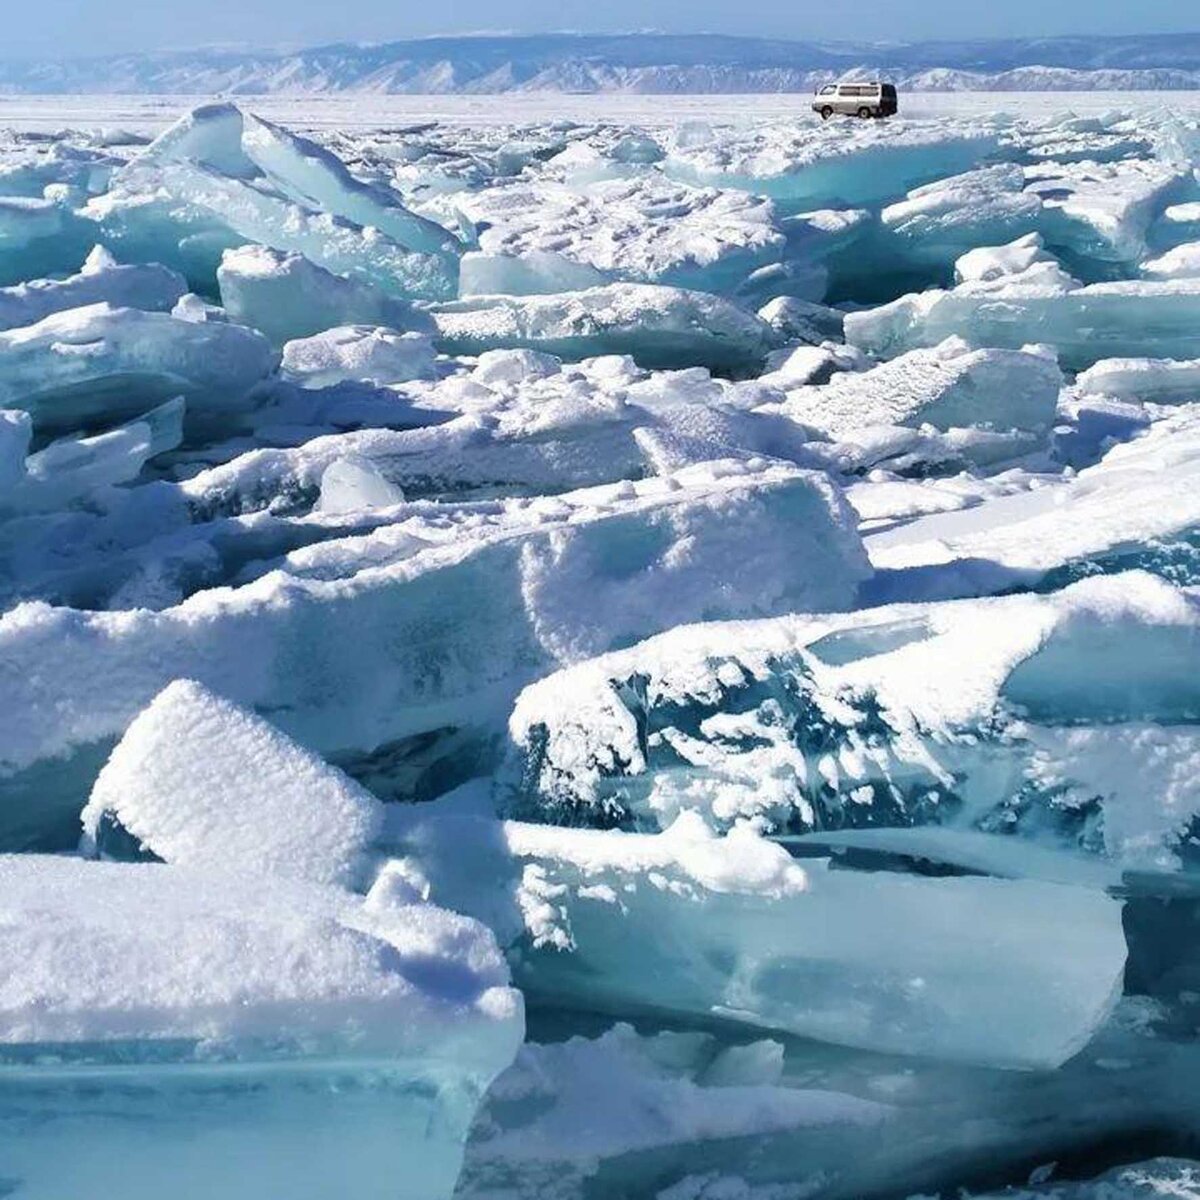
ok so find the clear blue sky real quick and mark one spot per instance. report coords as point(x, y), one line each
point(60, 28)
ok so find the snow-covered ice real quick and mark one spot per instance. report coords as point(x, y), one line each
point(724, 583)
point(206, 977)
point(200, 782)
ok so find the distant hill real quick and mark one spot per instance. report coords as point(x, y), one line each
point(646, 63)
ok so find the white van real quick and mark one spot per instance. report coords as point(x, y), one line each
point(861, 99)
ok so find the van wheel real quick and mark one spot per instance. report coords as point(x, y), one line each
point(826, 113)
point(865, 113)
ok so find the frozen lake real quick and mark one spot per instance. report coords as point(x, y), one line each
point(362, 111)
point(590, 646)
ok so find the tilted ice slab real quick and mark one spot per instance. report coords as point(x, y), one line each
point(806, 166)
point(71, 469)
point(435, 619)
point(284, 296)
point(241, 1036)
point(985, 205)
point(225, 139)
point(313, 176)
point(200, 782)
point(1141, 492)
point(658, 326)
point(947, 386)
point(100, 362)
point(1130, 318)
point(218, 178)
point(254, 214)
point(101, 280)
point(645, 229)
point(1102, 210)
point(566, 1110)
point(694, 925)
point(889, 717)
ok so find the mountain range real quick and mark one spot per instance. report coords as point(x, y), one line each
point(636, 62)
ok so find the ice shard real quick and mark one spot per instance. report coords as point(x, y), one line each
point(1125, 318)
point(98, 363)
point(694, 925)
point(285, 296)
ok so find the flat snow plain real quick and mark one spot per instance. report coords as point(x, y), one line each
point(151, 114)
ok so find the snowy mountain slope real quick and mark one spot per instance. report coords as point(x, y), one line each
point(650, 63)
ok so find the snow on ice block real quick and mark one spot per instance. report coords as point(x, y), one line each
point(1102, 210)
point(985, 264)
point(352, 484)
point(1130, 318)
point(1160, 380)
point(658, 326)
point(357, 352)
point(363, 640)
point(285, 296)
point(100, 362)
point(950, 385)
point(1139, 493)
point(1178, 262)
point(203, 783)
point(527, 421)
point(646, 228)
point(803, 166)
point(1008, 973)
point(797, 320)
point(149, 287)
point(895, 716)
point(240, 1037)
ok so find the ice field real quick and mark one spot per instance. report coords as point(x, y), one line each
point(559, 648)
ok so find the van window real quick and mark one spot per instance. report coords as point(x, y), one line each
point(828, 90)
